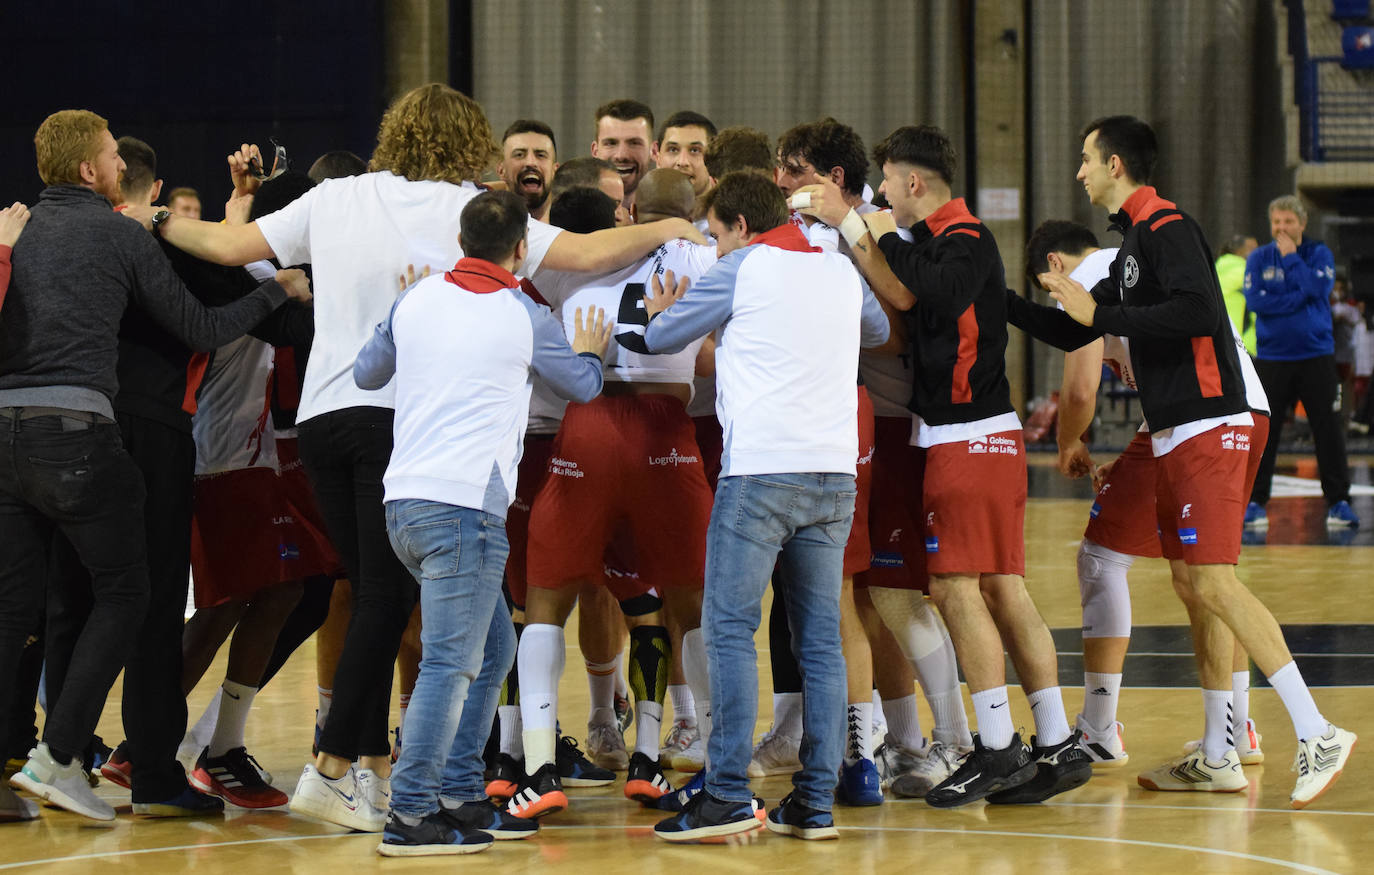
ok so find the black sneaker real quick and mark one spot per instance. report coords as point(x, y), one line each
point(791, 818)
point(433, 835)
point(983, 773)
point(706, 817)
point(574, 769)
point(1058, 768)
point(490, 818)
point(645, 782)
point(505, 782)
point(539, 794)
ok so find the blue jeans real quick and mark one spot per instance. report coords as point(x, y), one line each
point(806, 518)
point(458, 556)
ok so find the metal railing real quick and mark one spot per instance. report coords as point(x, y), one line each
point(1337, 108)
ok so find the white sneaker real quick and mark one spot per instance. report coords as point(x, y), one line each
point(693, 759)
point(63, 786)
point(1107, 750)
point(1247, 745)
point(606, 746)
point(14, 807)
point(1319, 762)
point(375, 789)
point(338, 800)
point(1196, 773)
point(893, 761)
point(775, 754)
point(933, 765)
point(679, 738)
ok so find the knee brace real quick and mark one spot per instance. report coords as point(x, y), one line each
point(1106, 597)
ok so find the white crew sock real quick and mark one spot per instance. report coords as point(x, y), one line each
point(234, 706)
point(787, 714)
point(601, 677)
point(1101, 692)
point(511, 742)
point(1308, 722)
point(648, 726)
point(684, 703)
point(993, 712)
point(204, 729)
point(540, 659)
point(904, 722)
point(1240, 706)
point(1051, 725)
point(879, 715)
point(858, 732)
point(696, 668)
point(1216, 727)
point(326, 699)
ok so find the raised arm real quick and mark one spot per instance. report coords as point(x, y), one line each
point(614, 248)
point(212, 241)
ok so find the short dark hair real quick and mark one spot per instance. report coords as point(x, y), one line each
point(182, 191)
point(1129, 139)
point(1055, 235)
point(336, 165)
point(583, 210)
point(739, 148)
point(529, 126)
point(277, 192)
point(583, 172)
point(492, 224)
point(920, 145)
point(826, 144)
point(625, 110)
point(751, 194)
point(140, 165)
point(685, 118)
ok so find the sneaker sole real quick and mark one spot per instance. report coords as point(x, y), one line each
point(162, 809)
point(332, 814)
point(687, 765)
point(196, 780)
point(909, 790)
point(1301, 804)
point(866, 802)
point(810, 834)
point(586, 782)
point(502, 790)
point(508, 835)
point(644, 792)
point(116, 777)
point(58, 798)
point(1066, 782)
point(1207, 787)
point(549, 803)
point(709, 832)
point(612, 761)
point(390, 850)
point(1011, 782)
point(1109, 765)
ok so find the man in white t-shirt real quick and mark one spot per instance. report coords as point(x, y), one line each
point(356, 232)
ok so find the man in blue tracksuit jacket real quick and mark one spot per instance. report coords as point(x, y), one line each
point(1288, 288)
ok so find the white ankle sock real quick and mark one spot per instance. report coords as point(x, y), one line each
point(993, 712)
point(540, 658)
point(858, 732)
point(1308, 722)
point(904, 722)
point(684, 703)
point(1051, 724)
point(1240, 704)
point(1101, 692)
point(234, 706)
point(1216, 728)
point(787, 714)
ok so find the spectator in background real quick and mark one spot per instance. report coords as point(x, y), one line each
point(184, 201)
point(1231, 275)
point(1288, 286)
point(1346, 314)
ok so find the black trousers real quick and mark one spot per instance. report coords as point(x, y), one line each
point(345, 453)
point(1316, 384)
point(72, 476)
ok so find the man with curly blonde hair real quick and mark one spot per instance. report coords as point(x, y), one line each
point(357, 233)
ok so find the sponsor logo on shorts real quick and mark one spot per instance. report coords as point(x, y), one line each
point(932, 544)
point(1187, 536)
point(1187, 512)
point(283, 520)
point(1233, 440)
point(887, 560)
point(565, 468)
point(993, 444)
point(1096, 509)
point(673, 459)
point(290, 551)
point(895, 536)
point(867, 458)
point(930, 518)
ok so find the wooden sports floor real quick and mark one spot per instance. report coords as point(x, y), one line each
point(1320, 591)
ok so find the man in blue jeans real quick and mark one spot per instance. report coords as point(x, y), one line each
point(790, 320)
point(461, 346)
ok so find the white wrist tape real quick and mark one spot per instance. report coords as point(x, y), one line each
point(853, 228)
point(801, 200)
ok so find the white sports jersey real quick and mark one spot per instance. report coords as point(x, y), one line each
point(621, 295)
point(232, 426)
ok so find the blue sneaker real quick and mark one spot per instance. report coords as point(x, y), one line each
point(485, 816)
point(706, 817)
point(1255, 516)
point(432, 835)
point(791, 818)
point(859, 784)
point(1341, 514)
point(678, 799)
point(187, 803)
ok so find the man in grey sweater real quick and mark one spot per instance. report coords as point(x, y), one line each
point(62, 466)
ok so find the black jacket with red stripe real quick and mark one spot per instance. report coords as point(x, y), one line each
point(958, 327)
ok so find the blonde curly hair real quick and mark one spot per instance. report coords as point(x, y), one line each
point(434, 132)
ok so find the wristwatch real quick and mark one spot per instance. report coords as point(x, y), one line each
point(158, 218)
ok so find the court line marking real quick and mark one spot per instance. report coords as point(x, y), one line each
point(1237, 808)
point(1239, 855)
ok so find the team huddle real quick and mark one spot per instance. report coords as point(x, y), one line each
point(642, 392)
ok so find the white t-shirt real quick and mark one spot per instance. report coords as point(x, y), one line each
point(358, 233)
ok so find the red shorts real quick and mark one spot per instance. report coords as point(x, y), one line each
point(534, 465)
point(711, 442)
point(975, 502)
point(243, 536)
point(1200, 502)
point(318, 556)
point(858, 552)
point(1123, 512)
point(622, 463)
point(1259, 436)
point(896, 516)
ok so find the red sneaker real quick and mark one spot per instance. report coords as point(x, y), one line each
point(236, 778)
